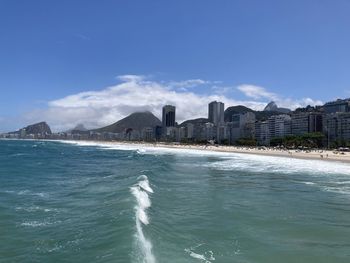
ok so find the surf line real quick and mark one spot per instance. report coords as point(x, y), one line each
point(141, 191)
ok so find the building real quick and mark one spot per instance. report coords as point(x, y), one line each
point(203, 132)
point(262, 133)
point(189, 130)
point(171, 134)
point(216, 112)
point(148, 134)
point(221, 133)
point(168, 116)
point(280, 126)
point(242, 126)
point(337, 106)
point(337, 128)
point(306, 122)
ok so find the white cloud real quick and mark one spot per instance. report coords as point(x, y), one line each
point(190, 83)
point(256, 92)
point(83, 37)
point(137, 93)
point(131, 78)
point(134, 93)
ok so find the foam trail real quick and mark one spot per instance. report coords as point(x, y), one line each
point(141, 191)
point(202, 258)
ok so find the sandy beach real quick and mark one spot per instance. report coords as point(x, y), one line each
point(324, 155)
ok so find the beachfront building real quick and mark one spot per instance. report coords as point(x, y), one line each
point(203, 131)
point(171, 134)
point(262, 133)
point(148, 134)
point(216, 112)
point(215, 129)
point(337, 106)
point(306, 122)
point(337, 128)
point(242, 126)
point(168, 122)
point(189, 130)
point(168, 116)
point(280, 126)
point(221, 133)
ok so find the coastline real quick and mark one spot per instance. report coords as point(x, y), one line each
point(321, 155)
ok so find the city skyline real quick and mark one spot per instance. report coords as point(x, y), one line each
point(238, 52)
point(327, 125)
point(139, 93)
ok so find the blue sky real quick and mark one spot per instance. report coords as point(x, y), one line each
point(292, 51)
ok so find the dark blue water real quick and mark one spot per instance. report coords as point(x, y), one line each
point(63, 202)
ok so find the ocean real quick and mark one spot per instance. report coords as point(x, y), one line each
point(85, 202)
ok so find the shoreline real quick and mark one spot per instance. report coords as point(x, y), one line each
point(321, 155)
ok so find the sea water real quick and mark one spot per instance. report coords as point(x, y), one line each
point(85, 202)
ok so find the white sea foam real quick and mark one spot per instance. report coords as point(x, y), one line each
point(28, 192)
point(141, 151)
point(207, 257)
point(34, 209)
point(237, 159)
point(38, 223)
point(308, 183)
point(146, 149)
point(326, 176)
point(144, 184)
point(329, 172)
point(141, 191)
point(258, 163)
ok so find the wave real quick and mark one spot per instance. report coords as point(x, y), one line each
point(258, 163)
point(38, 223)
point(141, 191)
point(146, 149)
point(35, 209)
point(206, 257)
point(282, 163)
point(27, 193)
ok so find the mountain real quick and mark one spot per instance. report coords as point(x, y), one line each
point(136, 121)
point(37, 128)
point(78, 129)
point(194, 121)
point(272, 106)
point(259, 115)
point(235, 110)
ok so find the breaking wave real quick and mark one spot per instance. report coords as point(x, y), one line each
point(141, 192)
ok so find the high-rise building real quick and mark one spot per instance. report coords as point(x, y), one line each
point(279, 126)
point(242, 126)
point(306, 122)
point(262, 132)
point(168, 117)
point(216, 112)
point(337, 127)
point(337, 106)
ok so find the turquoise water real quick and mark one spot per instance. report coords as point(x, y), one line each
point(65, 202)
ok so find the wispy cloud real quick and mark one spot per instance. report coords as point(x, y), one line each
point(256, 92)
point(134, 93)
point(187, 83)
point(82, 37)
point(139, 93)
